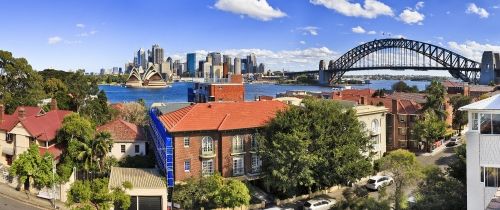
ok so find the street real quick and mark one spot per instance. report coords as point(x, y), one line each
point(7, 203)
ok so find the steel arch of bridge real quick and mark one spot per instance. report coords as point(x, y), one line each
point(457, 65)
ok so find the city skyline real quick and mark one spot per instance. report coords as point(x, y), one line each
point(73, 35)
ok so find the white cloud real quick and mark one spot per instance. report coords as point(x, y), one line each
point(474, 9)
point(302, 42)
point(54, 40)
point(85, 34)
point(370, 9)
point(300, 59)
point(472, 49)
point(358, 30)
point(411, 17)
point(309, 30)
point(372, 32)
point(419, 5)
point(257, 9)
point(80, 25)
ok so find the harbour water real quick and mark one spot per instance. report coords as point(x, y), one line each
point(178, 91)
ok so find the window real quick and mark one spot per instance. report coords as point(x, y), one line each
point(375, 126)
point(187, 165)
point(256, 163)
point(475, 121)
point(403, 143)
point(207, 145)
point(402, 118)
point(254, 143)
point(482, 174)
point(402, 131)
point(207, 167)
point(490, 123)
point(238, 166)
point(123, 148)
point(10, 137)
point(186, 141)
point(237, 144)
point(137, 148)
point(363, 126)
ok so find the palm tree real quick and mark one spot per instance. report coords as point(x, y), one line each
point(85, 155)
point(102, 146)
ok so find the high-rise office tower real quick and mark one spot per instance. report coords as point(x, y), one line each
point(226, 66)
point(216, 58)
point(141, 59)
point(209, 58)
point(192, 60)
point(251, 63)
point(262, 68)
point(244, 66)
point(171, 63)
point(237, 66)
point(157, 56)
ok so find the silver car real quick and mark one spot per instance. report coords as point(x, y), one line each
point(376, 182)
point(319, 204)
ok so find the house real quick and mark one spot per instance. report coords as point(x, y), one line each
point(483, 151)
point(148, 188)
point(128, 139)
point(207, 138)
point(30, 125)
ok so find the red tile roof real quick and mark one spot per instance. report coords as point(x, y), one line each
point(417, 97)
point(55, 150)
point(221, 116)
point(10, 121)
point(44, 127)
point(123, 131)
point(451, 84)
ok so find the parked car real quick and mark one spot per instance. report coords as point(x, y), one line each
point(376, 182)
point(319, 204)
point(455, 140)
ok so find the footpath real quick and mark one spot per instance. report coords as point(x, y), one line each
point(27, 198)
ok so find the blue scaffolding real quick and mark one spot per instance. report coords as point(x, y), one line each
point(164, 149)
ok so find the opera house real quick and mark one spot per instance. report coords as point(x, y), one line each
point(151, 78)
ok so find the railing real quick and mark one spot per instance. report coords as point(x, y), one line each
point(207, 153)
point(238, 171)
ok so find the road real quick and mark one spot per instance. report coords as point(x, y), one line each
point(7, 203)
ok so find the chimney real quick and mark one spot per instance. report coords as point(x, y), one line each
point(395, 103)
point(21, 113)
point(2, 113)
point(53, 104)
point(466, 89)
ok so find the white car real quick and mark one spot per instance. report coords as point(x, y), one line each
point(376, 182)
point(319, 204)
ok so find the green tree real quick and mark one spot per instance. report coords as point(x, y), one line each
point(53, 86)
point(440, 192)
point(96, 195)
point(436, 94)
point(457, 169)
point(101, 147)
point(75, 128)
point(20, 85)
point(97, 110)
point(405, 171)
point(429, 129)
point(31, 167)
point(401, 86)
point(459, 117)
point(318, 145)
point(212, 192)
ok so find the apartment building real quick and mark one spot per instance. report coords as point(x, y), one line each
point(483, 151)
point(207, 138)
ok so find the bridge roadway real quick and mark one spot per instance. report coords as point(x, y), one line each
point(395, 68)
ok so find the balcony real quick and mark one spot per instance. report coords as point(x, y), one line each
point(207, 153)
point(237, 151)
point(238, 171)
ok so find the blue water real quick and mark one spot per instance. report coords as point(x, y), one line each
point(178, 91)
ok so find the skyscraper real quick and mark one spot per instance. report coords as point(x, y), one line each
point(226, 66)
point(251, 63)
point(262, 68)
point(244, 66)
point(216, 58)
point(237, 66)
point(141, 59)
point(192, 63)
point(157, 56)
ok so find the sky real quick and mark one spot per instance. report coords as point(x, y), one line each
point(284, 34)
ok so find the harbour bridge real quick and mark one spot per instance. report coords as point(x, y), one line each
point(404, 54)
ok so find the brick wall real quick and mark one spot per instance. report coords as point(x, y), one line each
point(227, 92)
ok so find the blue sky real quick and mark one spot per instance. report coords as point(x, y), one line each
point(290, 34)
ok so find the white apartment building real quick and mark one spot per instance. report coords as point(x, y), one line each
point(373, 120)
point(483, 151)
